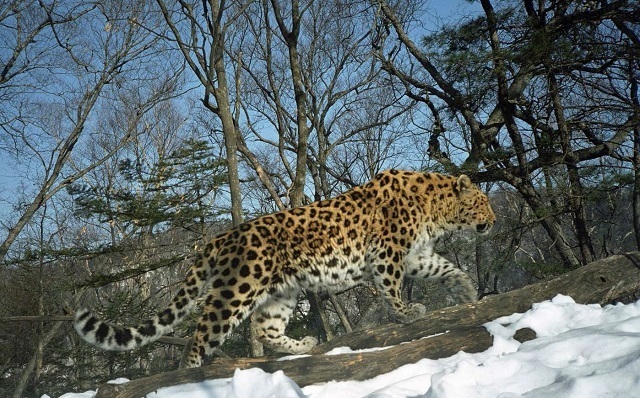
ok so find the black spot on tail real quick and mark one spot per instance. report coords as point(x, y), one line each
point(83, 316)
point(147, 329)
point(167, 317)
point(90, 325)
point(102, 332)
point(123, 336)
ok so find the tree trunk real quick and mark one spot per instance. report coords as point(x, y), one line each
point(439, 334)
point(549, 222)
point(31, 366)
point(44, 341)
point(635, 161)
point(291, 39)
point(341, 314)
point(320, 320)
point(575, 195)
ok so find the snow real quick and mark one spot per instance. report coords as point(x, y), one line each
point(580, 351)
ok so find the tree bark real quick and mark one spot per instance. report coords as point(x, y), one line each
point(635, 159)
point(44, 342)
point(575, 195)
point(31, 366)
point(291, 39)
point(440, 334)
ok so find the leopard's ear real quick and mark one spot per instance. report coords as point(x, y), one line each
point(463, 183)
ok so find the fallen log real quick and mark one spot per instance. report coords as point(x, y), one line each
point(440, 334)
point(597, 283)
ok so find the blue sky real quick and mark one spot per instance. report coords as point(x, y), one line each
point(12, 177)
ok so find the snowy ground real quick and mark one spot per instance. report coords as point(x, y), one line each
point(581, 351)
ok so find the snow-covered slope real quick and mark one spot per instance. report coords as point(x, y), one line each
point(581, 351)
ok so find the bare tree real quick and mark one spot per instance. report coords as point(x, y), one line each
point(199, 30)
point(51, 129)
point(68, 67)
point(504, 123)
point(347, 100)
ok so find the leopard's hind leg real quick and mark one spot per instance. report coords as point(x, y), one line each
point(219, 317)
point(270, 320)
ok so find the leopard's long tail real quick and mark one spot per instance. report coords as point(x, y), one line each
point(122, 338)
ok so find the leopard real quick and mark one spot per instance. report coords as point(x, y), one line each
point(380, 231)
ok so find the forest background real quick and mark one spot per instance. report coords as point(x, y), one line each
point(131, 130)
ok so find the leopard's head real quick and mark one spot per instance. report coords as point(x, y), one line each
point(472, 209)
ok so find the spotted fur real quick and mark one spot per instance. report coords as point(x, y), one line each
point(382, 230)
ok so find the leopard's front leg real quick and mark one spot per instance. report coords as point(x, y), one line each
point(425, 263)
point(388, 273)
